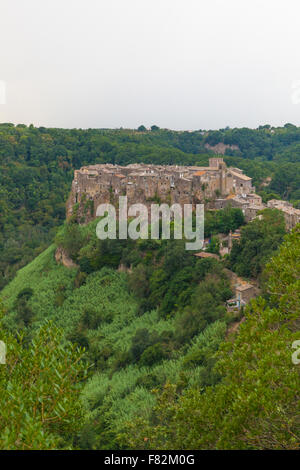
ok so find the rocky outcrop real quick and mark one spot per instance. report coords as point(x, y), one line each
point(124, 269)
point(61, 257)
point(220, 148)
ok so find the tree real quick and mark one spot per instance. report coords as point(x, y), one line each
point(214, 246)
point(152, 354)
point(259, 240)
point(40, 386)
point(24, 312)
point(70, 239)
point(140, 342)
point(138, 281)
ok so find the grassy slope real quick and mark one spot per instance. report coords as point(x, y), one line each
point(122, 394)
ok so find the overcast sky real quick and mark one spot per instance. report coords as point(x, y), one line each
point(181, 64)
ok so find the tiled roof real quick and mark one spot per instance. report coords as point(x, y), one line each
point(241, 176)
point(244, 287)
point(204, 254)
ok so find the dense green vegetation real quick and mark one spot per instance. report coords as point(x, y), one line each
point(37, 164)
point(40, 386)
point(222, 221)
point(259, 240)
point(158, 320)
point(255, 405)
point(139, 329)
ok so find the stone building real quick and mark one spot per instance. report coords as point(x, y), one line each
point(244, 292)
point(291, 215)
point(242, 184)
point(250, 204)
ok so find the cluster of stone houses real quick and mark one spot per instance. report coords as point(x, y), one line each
point(170, 184)
point(291, 215)
point(215, 185)
point(249, 203)
point(252, 203)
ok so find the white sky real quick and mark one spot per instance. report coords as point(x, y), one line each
point(181, 64)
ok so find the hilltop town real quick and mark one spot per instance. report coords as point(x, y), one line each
point(216, 185)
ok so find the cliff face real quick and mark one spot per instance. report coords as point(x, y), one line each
point(146, 184)
point(221, 148)
point(61, 257)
